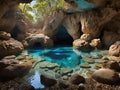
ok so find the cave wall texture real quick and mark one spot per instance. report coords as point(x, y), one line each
point(99, 18)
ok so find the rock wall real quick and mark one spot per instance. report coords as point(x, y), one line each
point(10, 18)
point(101, 21)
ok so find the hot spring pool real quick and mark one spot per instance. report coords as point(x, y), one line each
point(64, 56)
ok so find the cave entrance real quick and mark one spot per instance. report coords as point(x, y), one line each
point(37, 45)
point(62, 37)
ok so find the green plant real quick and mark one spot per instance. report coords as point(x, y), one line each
point(40, 9)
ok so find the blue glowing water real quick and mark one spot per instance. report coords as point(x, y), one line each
point(64, 56)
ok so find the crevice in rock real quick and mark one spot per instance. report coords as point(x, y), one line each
point(62, 37)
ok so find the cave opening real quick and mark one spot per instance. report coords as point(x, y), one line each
point(37, 45)
point(62, 37)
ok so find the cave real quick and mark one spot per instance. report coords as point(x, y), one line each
point(37, 45)
point(62, 37)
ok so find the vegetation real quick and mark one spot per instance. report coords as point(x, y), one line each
point(40, 9)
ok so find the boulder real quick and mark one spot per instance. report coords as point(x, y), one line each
point(85, 65)
point(112, 65)
point(81, 44)
point(86, 37)
point(96, 43)
point(10, 47)
point(11, 68)
point(63, 84)
point(4, 35)
point(66, 71)
point(76, 79)
point(114, 49)
point(106, 76)
point(39, 40)
point(8, 60)
point(47, 80)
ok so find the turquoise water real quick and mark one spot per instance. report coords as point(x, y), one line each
point(65, 56)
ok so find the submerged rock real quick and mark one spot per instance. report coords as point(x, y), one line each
point(10, 47)
point(89, 60)
point(65, 71)
point(106, 76)
point(76, 79)
point(85, 65)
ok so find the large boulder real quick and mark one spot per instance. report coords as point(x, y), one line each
point(40, 39)
point(114, 49)
point(48, 80)
point(10, 47)
point(76, 79)
point(106, 76)
point(12, 68)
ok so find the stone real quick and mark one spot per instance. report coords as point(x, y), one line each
point(52, 66)
point(13, 70)
point(66, 71)
point(47, 80)
point(10, 47)
point(112, 65)
point(96, 43)
point(65, 77)
point(85, 65)
point(89, 60)
point(81, 44)
point(8, 60)
point(40, 39)
point(4, 35)
point(114, 58)
point(98, 65)
point(106, 76)
point(114, 49)
point(86, 37)
point(76, 79)
point(81, 87)
point(63, 84)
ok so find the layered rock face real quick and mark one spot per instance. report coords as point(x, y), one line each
point(98, 18)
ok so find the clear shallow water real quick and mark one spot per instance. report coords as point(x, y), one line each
point(64, 56)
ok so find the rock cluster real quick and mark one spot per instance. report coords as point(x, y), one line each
point(11, 68)
point(86, 42)
point(76, 82)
